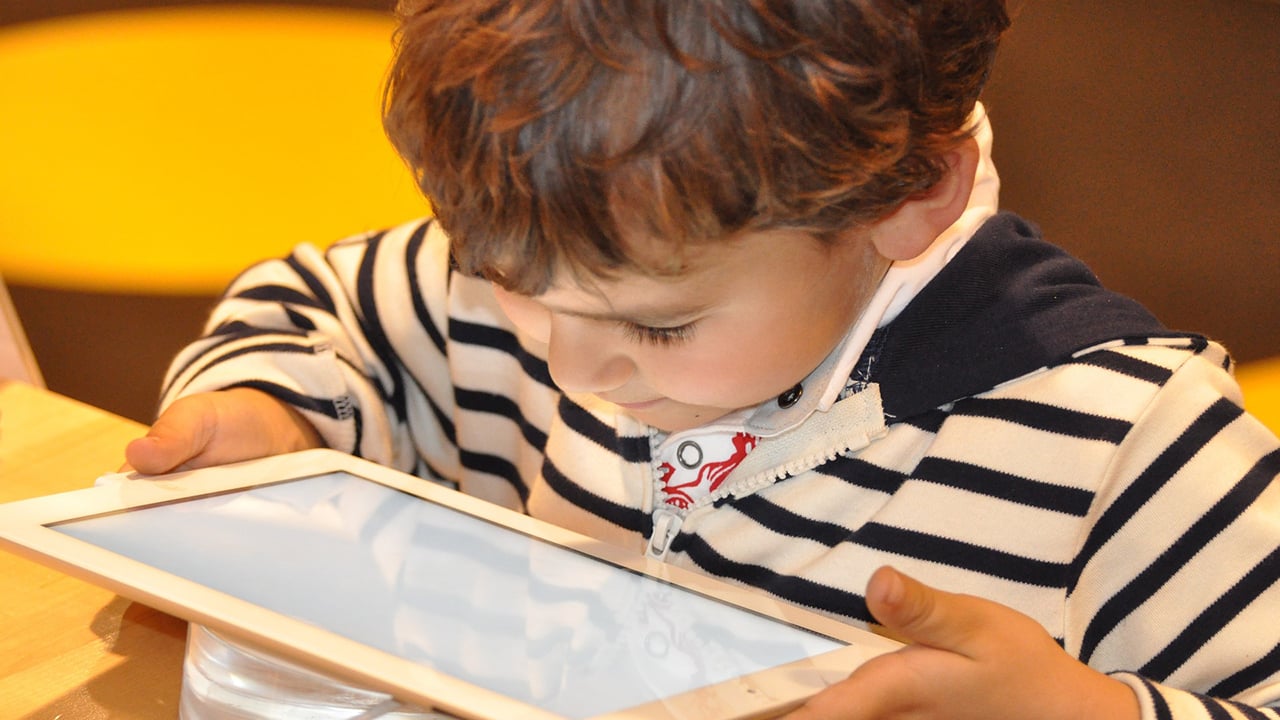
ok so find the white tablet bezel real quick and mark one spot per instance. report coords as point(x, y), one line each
point(25, 529)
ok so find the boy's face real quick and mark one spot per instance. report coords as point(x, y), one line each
point(746, 320)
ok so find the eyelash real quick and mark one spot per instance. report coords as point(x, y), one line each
point(658, 336)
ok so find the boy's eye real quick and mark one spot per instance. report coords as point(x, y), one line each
point(661, 336)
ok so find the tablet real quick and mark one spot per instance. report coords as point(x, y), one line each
point(437, 598)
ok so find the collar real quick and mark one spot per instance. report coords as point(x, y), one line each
point(1008, 305)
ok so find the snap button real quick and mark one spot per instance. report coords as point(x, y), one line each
point(791, 397)
point(689, 454)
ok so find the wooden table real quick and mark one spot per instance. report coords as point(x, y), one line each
point(68, 649)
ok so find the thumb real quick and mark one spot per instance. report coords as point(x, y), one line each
point(180, 433)
point(919, 614)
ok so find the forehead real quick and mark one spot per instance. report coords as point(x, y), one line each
point(667, 280)
point(685, 277)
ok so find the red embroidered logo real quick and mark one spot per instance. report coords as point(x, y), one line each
point(690, 475)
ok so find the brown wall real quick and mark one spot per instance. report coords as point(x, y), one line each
point(1145, 137)
point(1148, 143)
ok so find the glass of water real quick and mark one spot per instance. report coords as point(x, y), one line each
point(224, 680)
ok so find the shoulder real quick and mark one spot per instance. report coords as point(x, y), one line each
point(1007, 305)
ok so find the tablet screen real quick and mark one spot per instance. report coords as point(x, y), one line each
point(517, 615)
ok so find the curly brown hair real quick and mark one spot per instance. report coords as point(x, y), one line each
point(546, 133)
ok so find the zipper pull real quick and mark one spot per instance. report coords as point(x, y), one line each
point(666, 525)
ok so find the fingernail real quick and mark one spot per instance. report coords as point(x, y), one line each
point(894, 589)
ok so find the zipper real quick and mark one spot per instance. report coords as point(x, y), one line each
point(666, 525)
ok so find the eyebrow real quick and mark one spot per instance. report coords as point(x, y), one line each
point(652, 316)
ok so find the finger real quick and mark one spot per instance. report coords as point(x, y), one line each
point(835, 704)
point(890, 685)
point(898, 684)
point(917, 613)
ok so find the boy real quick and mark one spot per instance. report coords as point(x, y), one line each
point(724, 282)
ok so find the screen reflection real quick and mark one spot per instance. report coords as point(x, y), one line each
point(540, 623)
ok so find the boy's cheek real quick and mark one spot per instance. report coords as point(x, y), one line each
point(724, 381)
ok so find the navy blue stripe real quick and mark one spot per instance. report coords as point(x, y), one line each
point(306, 402)
point(1218, 615)
point(496, 466)
point(621, 515)
point(228, 333)
point(785, 522)
point(504, 406)
point(412, 250)
point(1146, 485)
point(1004, 486)
point(1250, 713)
point(273, 347)
point(461, 331)
point(238, 330)
point(1214, 709)
point(279, 294)
point(357, 419)
point(1179, 553)
point(634, 448)
point(300, 321)
point(232, 328)
point(536, 368)
point(960, 554)
point(860, 473)
point(1128, 366)
point(447, 428)
point(317, 288)
point(470, 333)
point(581, 421)
point(1046, 417)
point(799, 591)
point(1250, 676)
point(929, 421)
point(1157, 700)
point(371, 327)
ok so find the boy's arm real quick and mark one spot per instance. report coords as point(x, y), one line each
point(220, 427)
point(1178, 588)
point(311, 349)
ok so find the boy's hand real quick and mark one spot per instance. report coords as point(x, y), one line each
point(967, 658)
point(217, 428)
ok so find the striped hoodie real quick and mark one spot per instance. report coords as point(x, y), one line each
point(1016, 433)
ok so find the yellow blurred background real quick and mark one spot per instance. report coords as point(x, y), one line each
point(164, 149)
point(149, 149)
point(151, 153)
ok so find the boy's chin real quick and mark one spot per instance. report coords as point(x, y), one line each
point(670, 416)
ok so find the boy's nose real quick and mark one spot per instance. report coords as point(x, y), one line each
point(583, 358)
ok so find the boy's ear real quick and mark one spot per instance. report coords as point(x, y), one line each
point(913, 227)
